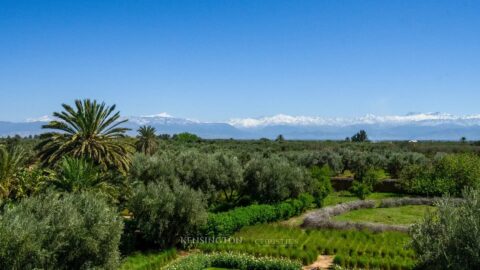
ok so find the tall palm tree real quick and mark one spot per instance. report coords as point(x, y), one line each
point(147, 140)
point(11, 160)
point(89, 131)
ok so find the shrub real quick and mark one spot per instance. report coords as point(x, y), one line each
point(450, 237)
point(364, 186)
point(163, 214)
point(226, 223)
point(360, 189)
point(60, 231)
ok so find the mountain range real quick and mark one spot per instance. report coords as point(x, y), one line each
point(412, 126)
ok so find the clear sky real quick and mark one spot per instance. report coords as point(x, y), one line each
point(215, 60)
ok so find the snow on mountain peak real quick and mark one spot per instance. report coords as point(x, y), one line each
point(162, 114)
point(283, 119)
point(45, 118)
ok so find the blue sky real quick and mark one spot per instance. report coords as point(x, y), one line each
point(215, 60)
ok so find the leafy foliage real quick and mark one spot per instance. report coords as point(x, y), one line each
point(274, 179)
point(448, 174)
point(77, 175)
point(164, 213)
point(323, 183)
point(226, 223)
point(11, 161)
point(363, 187)
point(90, 131)
point(60, 231)
point(450, 237)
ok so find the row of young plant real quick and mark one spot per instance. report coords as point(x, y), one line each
point(233, 261)
point(149, 261)
point(381, 249)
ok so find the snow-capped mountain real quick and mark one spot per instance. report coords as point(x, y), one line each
point(419, 126)
point(370, 119)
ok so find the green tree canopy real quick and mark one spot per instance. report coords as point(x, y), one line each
point(89, 130)
point(360, 136)
point(147, 140)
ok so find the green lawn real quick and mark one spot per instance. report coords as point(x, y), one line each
point(336, 198)
point(393, 216)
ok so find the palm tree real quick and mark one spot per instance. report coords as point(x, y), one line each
point(11, 160)
point(89, 131)
point(76, 175)
point(147, 140)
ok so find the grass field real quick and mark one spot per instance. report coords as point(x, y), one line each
point(403, 215)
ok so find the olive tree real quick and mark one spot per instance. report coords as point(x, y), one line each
point(164, 213)
point(449, 238)
point(60, 231)
point(275, 179)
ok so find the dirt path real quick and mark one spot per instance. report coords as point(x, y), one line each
point(322, 262)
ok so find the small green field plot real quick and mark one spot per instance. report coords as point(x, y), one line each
point(344, 196)
point(403, 215)
point(147, 261)
point(336, 198)
point(362, 249)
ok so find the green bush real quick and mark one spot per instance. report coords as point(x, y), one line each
point(163, 214)
point(60, 231)
point(217, 175)
point(364, 186)
point(450, 237)
point(447, 174)
point(275, 179)
point(226, 223)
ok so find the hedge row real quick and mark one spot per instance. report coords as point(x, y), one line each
point(227, 223)
point(234, 261)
